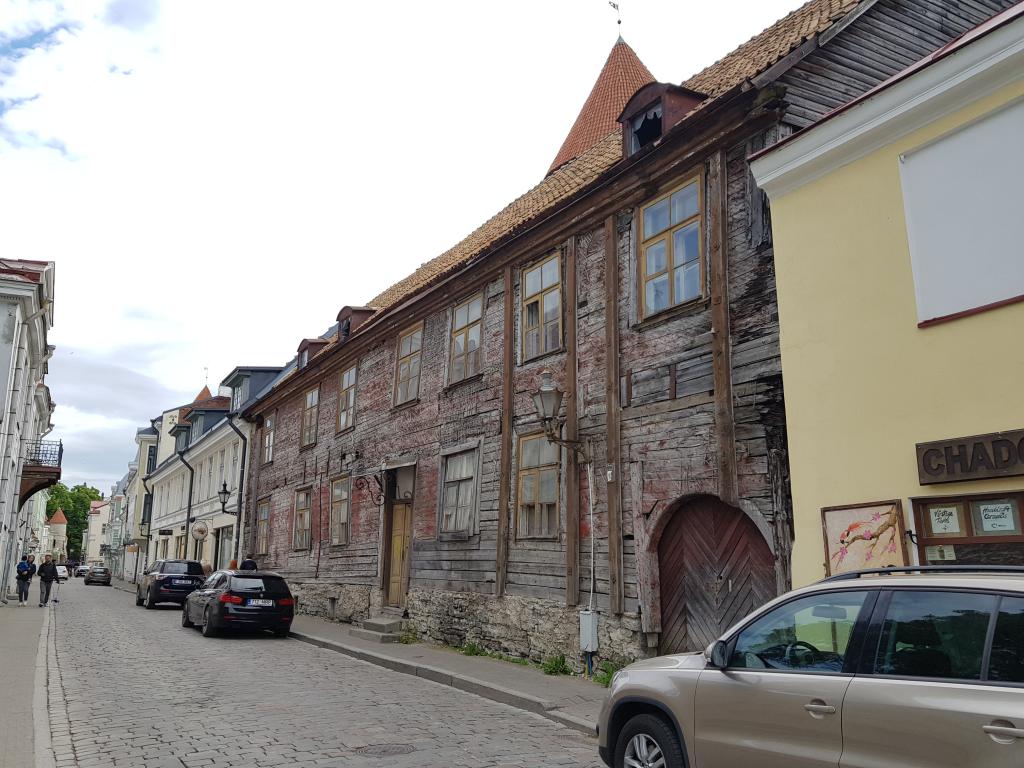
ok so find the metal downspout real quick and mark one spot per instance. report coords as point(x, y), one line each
point(239, 518)
point(188, 508)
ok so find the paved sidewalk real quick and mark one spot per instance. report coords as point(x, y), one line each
point(19, 646)
point(567, 700)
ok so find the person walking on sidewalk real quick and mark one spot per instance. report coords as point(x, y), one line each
point(249, 564)
point(47, 575)
point(26, 570)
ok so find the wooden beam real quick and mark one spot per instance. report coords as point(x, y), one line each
point(613, 407)
point(505, 465)
point(572, 478)
point(721, 344)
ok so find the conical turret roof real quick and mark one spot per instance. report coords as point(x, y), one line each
point(58, 518)
point(623, 75)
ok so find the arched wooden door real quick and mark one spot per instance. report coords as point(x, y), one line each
point(715, 567)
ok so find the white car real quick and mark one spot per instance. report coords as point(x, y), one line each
point(62, 573)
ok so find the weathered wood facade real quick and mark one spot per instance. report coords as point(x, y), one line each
point(681, 410)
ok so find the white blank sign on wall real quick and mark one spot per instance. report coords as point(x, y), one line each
point(963, 196)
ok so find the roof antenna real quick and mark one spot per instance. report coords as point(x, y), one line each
point(618, 13)
point(206, 376)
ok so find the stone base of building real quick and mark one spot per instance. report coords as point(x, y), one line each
point(525, 627)
point(337, 602)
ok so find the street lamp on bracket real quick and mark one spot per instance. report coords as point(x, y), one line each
point(224, 494)
point(548, 402)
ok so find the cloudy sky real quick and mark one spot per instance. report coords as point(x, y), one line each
point(215, 180)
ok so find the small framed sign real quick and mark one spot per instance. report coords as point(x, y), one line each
point(995, 517)
point(945, 519)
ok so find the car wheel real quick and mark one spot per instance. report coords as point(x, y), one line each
point(185, 620)
point(150, 603)
point(649, 741)
point(208, 629)
point(281, 632)
point(138, 598)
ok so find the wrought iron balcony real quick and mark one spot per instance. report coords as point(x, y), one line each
point(44, 453)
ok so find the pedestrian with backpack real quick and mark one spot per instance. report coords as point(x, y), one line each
point(26, 570)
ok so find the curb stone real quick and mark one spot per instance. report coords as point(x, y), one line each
point(461, 682)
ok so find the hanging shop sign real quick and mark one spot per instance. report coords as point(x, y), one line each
point(200, 530)
point(999, 454)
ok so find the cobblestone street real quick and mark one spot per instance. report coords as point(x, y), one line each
point(131, 687)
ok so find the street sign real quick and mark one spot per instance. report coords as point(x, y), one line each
point(166, 532)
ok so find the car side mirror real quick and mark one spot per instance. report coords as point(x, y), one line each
point(717, 654)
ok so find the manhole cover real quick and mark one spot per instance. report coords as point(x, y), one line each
point(384, 750)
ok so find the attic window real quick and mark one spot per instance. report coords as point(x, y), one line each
point(346, 329)
point(303, 358)
point(645, 128)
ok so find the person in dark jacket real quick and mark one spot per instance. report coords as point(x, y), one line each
point(26, 570)
point(47, 575)
point(249, 564)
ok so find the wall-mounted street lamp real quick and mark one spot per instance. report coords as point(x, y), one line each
point(548, 401)
point(224, 494)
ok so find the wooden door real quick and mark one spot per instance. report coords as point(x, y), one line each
point(398, 552)
point(715, 567)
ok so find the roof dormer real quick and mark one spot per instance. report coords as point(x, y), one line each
point(308, 350)
point(351, 318)
point(652, 112)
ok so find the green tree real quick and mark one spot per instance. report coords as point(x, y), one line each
point(75, 503)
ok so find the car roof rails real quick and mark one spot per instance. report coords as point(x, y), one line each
point(928, 569)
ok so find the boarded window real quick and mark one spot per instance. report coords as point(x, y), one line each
point(347, 399)
point(340, 490)
point(538, 488)
point(407, 374)
point(303, 503)
point(459, 495)
point(465, 352)
point(542, 308)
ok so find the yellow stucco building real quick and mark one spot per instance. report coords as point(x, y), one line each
point(899, 243)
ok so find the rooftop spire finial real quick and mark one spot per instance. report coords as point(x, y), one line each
point(618, 14)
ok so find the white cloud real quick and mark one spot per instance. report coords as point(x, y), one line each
point(239, 172)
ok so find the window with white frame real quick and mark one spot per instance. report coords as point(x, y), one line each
point(538, 488)
point(263, 527)
point(234, 466)
point(310, 411)
point(268, 439)
point(465, 350)
point(458, 497)
point(220, 473)
point(209, 477)
point(303, 519)
point(340, 491)
point(347, 398)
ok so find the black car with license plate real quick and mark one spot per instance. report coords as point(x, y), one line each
point(240, 600)
point(168, 581)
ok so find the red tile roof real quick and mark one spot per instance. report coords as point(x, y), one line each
point(203, 395)
point(623, 75)
point(58, 518)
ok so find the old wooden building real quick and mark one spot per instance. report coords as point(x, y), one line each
point(404, 467)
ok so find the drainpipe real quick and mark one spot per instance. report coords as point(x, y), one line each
point(149, 527)
point(188, 508)
point(239, 520)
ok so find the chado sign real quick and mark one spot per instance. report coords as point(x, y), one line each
point(1000, 454)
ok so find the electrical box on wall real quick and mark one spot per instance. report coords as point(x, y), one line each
point(588, 631)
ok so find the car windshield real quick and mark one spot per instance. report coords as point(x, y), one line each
point(192, 569)
point(272, 585)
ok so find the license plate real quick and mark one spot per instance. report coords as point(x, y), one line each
point(181, 581)
point(264, 603)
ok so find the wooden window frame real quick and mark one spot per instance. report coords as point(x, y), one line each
point(474, 512)
point(262, 526)
point(268, 437)
point(337, 540)
point(521, 472)
point(344, 408)
point(296, 544)
point(645, 241)
point(464, 331)
point(539, 296)
point(413, 354)
point(310, 418)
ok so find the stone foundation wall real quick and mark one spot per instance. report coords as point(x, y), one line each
point(526, 627)
point(352, 602)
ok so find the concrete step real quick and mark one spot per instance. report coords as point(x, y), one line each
point(384, 624)
point(375, 637)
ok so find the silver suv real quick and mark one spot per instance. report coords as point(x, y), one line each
point(894, 668)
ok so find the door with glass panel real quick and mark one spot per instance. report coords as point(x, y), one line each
point(779, 702)
point(941, 683)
